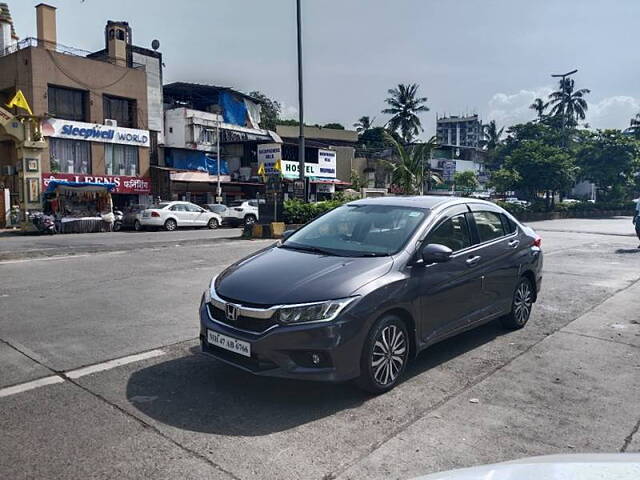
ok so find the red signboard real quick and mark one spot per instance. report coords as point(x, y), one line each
point(124, 184)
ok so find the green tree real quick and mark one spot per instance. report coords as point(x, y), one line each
point(336, 126)
point(356, 181)
point(363, 124)
point(568, 103)
point(492, 135)
point(405, 105)
point(412, 168)
point(269, 112)
point(376, 138)
point(466, 180)
point(609, 159)
point(504, 180)
point(539, 106)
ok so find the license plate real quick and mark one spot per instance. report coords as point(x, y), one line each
point(229, 343)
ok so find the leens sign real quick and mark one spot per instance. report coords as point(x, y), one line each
point(124, 184)
point(55, 127)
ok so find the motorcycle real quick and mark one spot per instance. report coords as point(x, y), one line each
point(119, 220)
point(44, 223)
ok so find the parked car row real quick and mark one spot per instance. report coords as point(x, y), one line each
point(173, 215)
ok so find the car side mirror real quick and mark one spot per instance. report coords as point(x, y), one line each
point(435, 253)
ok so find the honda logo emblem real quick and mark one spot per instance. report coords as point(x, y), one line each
point(231, 311)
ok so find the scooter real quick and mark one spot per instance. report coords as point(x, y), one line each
point(119, 220)
point(44, 223)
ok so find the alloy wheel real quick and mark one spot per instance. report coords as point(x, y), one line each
point(389, 355)
point(522, 302)
point(170, 225)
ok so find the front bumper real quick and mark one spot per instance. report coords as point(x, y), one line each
point(283, 351)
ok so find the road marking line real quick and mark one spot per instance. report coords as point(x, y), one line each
point(101, 367)
point(23, 387)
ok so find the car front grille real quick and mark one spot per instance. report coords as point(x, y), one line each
point(250, 324)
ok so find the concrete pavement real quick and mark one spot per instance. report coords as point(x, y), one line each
point(568, 382)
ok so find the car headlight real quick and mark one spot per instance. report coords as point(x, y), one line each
point(207, 292)
point(313, 312)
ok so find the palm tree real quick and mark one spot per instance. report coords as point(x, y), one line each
point(492, 135)
point(567, 103)
point(408, 173)
point(404, 105)
point(363, 124)
point(539, 106)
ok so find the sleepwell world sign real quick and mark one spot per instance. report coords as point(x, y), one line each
point(326, 166)
point(91, 132)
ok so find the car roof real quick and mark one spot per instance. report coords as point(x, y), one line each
point(424, 201)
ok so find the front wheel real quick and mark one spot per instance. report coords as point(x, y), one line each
point(384, 356)
point(117, 226)
point(250, 219)
point(213, 223)
point(520, 306)
point(170, 225)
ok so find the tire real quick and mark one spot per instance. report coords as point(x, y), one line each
point(137, 226)
point(380, 371)
point(521, 305)
point(250, 219)
point(117, 226)
point(170, 225)
point(213, 224)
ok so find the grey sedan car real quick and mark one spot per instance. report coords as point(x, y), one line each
point(361, 290)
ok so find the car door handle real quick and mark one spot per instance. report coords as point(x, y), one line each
point(471, 261)
point(514, 243)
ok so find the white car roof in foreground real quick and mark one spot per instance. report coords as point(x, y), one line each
point(591, 466)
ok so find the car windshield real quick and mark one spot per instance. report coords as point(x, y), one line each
point(359, 230)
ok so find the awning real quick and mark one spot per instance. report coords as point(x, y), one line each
point(333, 181)
point(197, 177)
point(62, 185)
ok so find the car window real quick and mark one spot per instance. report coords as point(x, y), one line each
point(253, 203)
point(160, 206)
point(453, 233)
point(192, 208)
point(236, 203)
point(359, 230)
point(177, 208)
point(489, 225)
point(217, 208)
point(508, 224)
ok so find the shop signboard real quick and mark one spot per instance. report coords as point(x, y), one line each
point(268, 155)
point(325, 188)
point(91, 132)
point(326, 163)
point(449, 170)
point(124, 184)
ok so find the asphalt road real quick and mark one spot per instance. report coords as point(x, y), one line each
point(567, 383)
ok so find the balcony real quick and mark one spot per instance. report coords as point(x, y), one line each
point(32, 42)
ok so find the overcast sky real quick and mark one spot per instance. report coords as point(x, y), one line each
point(490, 57)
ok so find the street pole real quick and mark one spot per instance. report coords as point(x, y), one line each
point(563, 76)
point(219, 189)
point(301, 156)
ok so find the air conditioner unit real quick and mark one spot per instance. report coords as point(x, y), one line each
point(110, 122)
point(8, 170)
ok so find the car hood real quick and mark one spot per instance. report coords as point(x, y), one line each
point(280, 276)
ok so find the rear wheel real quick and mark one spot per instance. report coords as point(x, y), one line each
point(250, 219)
point(521, 305)
point(170, 225)
point(137, 226)
point(213, 223)
point(384, 356)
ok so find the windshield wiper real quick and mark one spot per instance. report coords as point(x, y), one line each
point(306, 248)
point(369, 254)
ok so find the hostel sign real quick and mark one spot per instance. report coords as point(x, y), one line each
point(326, 166)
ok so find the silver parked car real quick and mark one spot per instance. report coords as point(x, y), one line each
point(171, 215)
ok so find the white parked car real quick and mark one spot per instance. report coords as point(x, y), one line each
point(243, 212)
point(171, 215)
point(516, 201)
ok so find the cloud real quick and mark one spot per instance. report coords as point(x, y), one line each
point(613, 112)
point(610, 112)
point(511, 108)
point(288, 111)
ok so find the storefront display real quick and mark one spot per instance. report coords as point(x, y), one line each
point(79, 207)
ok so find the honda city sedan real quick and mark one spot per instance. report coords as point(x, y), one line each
point(360, 291)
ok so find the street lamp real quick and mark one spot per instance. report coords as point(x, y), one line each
point(563, 76)
point(218, 111)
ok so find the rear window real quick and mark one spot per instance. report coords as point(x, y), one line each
point(160, 206)
point(489, 225)
point(236, 203)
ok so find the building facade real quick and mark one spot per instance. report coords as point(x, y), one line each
point(94, 111)
point(460, 146)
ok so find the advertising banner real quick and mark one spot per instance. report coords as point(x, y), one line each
point(124, 184)
point(91, 132)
